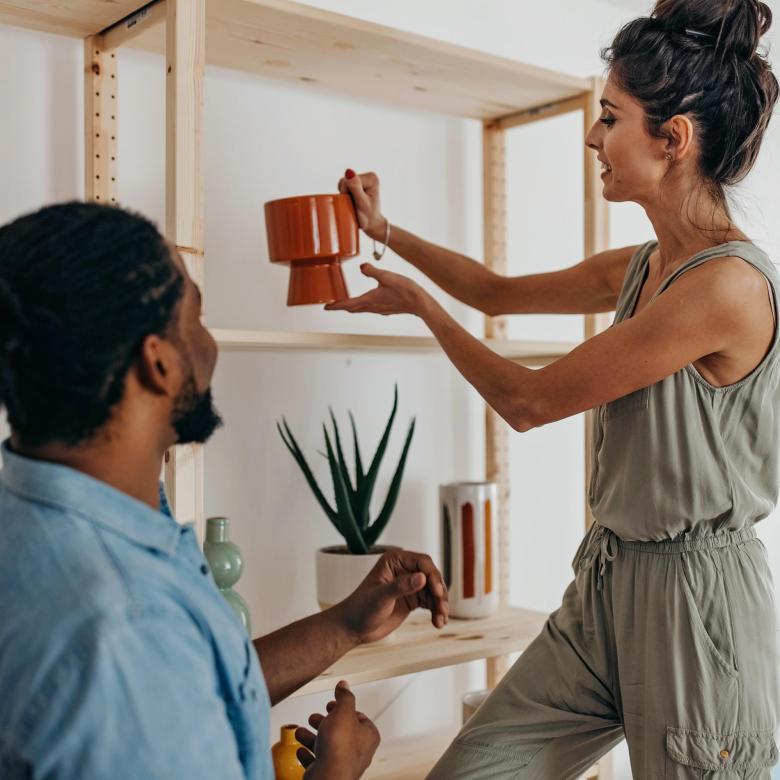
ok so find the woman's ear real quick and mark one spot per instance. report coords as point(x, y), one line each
point(679, 137)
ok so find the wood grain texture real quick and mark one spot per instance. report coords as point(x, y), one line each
point(75, 18)
point(411, 758)
point(184, 210)
point(418, 646)
point(285, 40)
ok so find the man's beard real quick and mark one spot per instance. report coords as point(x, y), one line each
point(194, 416)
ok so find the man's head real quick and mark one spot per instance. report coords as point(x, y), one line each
point(100, 328)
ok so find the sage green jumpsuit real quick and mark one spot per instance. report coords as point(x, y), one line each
point(668, 634)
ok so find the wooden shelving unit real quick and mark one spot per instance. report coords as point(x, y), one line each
point(312, 48)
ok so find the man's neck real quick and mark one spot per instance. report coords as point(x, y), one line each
point(130, 463)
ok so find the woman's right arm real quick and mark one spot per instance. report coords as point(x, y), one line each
point(589, 287)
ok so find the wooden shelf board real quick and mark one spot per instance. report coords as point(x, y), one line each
point(418, 646)
point(285, 40)
point(411, 758)
point(77, 19)
point(528, 352)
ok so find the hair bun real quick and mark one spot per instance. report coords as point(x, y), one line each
point(736, 25)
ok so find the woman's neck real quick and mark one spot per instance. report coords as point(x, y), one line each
point(687, 224)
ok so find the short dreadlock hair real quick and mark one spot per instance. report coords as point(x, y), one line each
point(81, 286)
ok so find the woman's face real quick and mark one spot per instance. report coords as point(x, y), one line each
point(633, 162)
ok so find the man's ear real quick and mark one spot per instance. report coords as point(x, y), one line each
point(159, 366)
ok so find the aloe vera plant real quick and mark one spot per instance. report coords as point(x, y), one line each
point(351, 516)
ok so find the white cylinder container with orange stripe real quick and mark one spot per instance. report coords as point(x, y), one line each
point(469, 547)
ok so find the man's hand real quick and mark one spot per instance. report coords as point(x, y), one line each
point(345, 742)
point(400, 582)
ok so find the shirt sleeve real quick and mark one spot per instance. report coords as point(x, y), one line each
point(138, 697)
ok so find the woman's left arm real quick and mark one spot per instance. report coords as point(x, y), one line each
point(700, 314)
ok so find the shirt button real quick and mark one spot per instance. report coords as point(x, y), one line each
point(724, 753)
point(204, 569)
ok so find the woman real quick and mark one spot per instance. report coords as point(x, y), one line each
point(667, 635)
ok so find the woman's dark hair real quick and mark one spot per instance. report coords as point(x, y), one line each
point(701, 58)
point(81, 285)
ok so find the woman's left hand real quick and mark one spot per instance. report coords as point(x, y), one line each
point(395, 295)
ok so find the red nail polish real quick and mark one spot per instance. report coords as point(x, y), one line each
point(349, 173)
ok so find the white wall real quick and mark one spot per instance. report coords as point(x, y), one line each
point(261, 144)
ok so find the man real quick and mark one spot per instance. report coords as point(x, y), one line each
point(118, 656)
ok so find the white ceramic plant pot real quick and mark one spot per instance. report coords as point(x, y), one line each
point(339, 572)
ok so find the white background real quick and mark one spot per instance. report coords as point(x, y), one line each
point(266, 140)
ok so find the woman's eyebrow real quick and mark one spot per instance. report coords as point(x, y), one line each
point(604, 102)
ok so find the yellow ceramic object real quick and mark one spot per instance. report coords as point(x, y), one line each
point(284, 752)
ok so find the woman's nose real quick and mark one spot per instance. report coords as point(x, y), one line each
point(592, 140)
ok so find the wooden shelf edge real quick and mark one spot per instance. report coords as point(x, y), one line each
point(538, 352)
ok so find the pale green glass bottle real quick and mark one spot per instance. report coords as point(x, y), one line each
point(226, 564)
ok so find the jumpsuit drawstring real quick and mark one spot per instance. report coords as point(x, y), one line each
point(608, 550)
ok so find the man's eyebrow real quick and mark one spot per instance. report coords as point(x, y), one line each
point(604, 102)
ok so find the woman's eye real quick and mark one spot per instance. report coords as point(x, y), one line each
point(607, 120)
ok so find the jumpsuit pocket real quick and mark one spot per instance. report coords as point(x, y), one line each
point(703, 586)
point(702, 754)
point(633, 402)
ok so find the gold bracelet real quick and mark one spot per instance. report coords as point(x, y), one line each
point(380, 255)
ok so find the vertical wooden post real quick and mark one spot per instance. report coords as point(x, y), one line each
point(185, 63)
point(100, 121)
point(496, 430)
point(596, 235)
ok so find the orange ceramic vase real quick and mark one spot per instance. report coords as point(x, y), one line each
point(313, 234)
point(284, 753)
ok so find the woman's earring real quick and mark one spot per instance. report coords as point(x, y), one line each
point(669, 156)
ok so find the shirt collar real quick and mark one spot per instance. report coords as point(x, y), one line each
point(74, 491)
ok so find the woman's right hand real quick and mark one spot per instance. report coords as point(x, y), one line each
point(345, 743)
point(364, 189)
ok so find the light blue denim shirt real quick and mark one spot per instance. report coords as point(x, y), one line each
point(119, 658)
